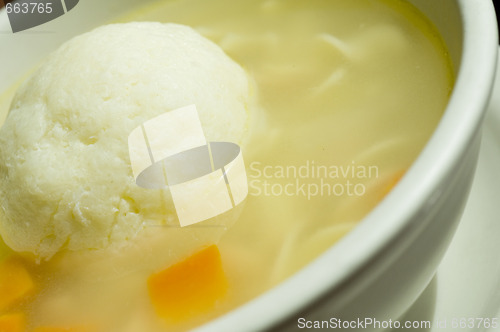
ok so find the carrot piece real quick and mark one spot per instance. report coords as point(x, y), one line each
point(15, 282)
point(15, 322)
point(189, 288)
point(392, 182)
point(60, 329)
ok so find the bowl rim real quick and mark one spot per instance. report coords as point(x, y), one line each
point(443, 152)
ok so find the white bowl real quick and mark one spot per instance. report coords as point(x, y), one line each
point(380, 268)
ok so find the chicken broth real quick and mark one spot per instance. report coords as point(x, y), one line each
point(348, 91)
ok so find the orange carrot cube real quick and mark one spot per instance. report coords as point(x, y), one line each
point(15, 282)
point(392, 182)
point(60, 329)
point(15, 322)
point(189, 288)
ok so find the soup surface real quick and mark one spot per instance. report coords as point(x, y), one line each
point(349, 92)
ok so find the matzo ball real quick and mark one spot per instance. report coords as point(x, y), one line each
point(65, 174)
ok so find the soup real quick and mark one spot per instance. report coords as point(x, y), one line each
point(347, 95)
